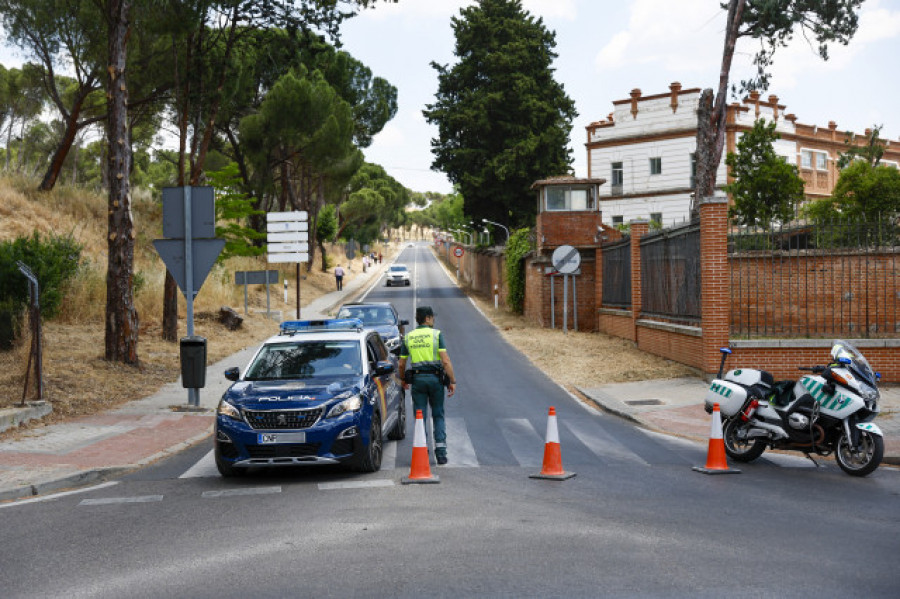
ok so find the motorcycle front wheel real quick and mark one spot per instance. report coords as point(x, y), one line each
point(741, 450)
point(864, 459)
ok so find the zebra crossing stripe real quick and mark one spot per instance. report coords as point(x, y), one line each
point(113, 500)
point(601, 444)
point(460, 451)
point(526, 443)
point(237, 492)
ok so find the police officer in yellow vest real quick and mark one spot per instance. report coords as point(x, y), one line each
point(425, 365)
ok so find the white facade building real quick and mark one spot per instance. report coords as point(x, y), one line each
point(645, 150)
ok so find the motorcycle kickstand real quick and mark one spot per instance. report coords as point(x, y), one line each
point(812, 460)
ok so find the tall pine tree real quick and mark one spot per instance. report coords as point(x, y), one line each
point(503, 121)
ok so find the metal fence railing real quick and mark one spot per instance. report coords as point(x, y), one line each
point(670, 273)
point(815, 279)
point(617, 274)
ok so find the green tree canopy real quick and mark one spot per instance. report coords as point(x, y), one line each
point(871, 150)
point(503, 121)
point(765, 188)
point(863, 191)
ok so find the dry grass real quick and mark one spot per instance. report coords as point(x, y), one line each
point(77, 380)
point(579, 359)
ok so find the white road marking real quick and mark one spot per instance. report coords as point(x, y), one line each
point(601, 443)
point(526, 444)
point(113, 500)
point(204, 468)
point(460, 451)
point(236, 492)
point(356, 484)
point(58, 495)
point(389, 456)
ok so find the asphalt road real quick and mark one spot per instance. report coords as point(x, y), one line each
point(635, 521)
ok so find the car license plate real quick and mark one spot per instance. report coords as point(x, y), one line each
point(266, 438)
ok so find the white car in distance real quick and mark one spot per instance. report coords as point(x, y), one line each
point(397, 274)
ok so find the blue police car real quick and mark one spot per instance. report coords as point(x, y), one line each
point(319, 392)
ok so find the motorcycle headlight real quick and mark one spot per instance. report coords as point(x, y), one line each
point(352, 404)
point(869, 393)
point(226, 409)
point(392, 342)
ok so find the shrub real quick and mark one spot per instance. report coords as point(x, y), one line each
point(518, 247)
point(53, 260)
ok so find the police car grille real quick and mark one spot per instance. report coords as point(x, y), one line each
point(282, 419)
point(283, 450)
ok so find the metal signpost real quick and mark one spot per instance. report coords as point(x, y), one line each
point(190, 250)
point(257, 277)
point(36, 351)
point(287, 238)
point(458, 252)
point(566, 261)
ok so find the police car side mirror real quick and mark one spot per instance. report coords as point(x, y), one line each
point(233, 374)
point(383, 368)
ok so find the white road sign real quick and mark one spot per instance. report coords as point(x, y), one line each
point(566, 259)
point(277, 248)
point(288, 257)
point(296, 215)
point(289, 236)
point(290, 225)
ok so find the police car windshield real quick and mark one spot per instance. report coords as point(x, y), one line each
point(306, 360)
point(371, 315)
point(398, 268)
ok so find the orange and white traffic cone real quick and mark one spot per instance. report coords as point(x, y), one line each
point(420, 469)
point(552, 468)
point(715, 457)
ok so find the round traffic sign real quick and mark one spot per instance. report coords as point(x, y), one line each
point(566, 259)
point(458, 252)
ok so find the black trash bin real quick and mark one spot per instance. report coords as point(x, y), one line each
point(193, 362)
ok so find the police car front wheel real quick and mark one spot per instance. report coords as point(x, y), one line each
point(369, 457)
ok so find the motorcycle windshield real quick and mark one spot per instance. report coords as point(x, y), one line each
point(858, 363)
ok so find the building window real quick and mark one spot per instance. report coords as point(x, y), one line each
point(808, 158)
point(568, 198)
point(618, 176)
point(821, 161)
point(656, 218)
point(618, 220)
point(656, 166)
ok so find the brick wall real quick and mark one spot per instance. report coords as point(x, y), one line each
point(577, 229)
point(810, 295)
point(618, 324)
point(782, 362)
point(686, 349)
point(538, 295)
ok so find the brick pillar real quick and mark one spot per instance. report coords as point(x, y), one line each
point(639, 228)
point(598, 279)
point(714, 291)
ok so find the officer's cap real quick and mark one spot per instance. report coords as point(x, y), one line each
point(423, 312)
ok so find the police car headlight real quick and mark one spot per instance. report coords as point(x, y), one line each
point(226, 409)
point(348, 405)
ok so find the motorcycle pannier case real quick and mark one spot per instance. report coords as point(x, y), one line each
point(729, 396)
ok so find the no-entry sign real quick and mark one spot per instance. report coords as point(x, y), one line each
point(458, 252)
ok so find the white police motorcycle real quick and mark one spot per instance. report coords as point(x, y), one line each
point(828, 411)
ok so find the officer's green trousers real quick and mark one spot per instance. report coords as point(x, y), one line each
point(428, 391)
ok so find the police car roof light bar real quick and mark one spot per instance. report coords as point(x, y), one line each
point(290, 327)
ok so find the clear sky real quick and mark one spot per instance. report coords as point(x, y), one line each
point(605, 49)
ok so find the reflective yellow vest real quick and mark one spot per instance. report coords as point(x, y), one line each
point(422, 344)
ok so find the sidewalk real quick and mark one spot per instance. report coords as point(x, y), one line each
point(140, 432)
point(675, 406)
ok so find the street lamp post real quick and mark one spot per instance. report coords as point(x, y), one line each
point(501, 226)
